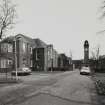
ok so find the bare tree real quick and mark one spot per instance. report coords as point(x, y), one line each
point(71, 55)
point(102, 9)
point(96, 53)
point(7, 16)
point(95, 57)
point(101, 16)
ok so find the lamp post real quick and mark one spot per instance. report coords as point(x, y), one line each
point(15, 58)
point(51, 58)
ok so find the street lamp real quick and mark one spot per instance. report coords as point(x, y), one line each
point(15, 58)
point(51, 58)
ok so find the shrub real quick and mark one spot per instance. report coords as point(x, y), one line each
point(100, 85)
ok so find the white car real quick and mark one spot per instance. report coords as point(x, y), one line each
point(26, 69)
point(22, 71)
point(85, 70)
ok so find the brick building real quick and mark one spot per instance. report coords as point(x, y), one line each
point(24, 46)
point(52, 57)
point(44, 56)
point(63, 61)
point(6, 54)
point(39, 55)
point(32, 53)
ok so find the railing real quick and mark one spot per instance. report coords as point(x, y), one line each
point(5, 70)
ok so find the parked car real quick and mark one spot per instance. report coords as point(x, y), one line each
point(22, 71)
point(85, 70)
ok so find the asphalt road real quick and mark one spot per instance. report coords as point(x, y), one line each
point(67, 88)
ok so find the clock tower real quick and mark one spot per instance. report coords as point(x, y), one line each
point(86, 52)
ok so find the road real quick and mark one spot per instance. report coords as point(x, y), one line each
point(67, 88)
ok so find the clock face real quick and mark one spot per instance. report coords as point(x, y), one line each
point(86, 49)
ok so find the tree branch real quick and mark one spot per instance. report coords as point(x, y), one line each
point(8, 13)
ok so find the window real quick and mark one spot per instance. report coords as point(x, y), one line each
point(31, 50)
point(10, 62)
point(3, 63)
point(4, 47)
point(24, 47)
point(31, 63)
point(36, 54)
point(10, 48)
point(51, 50)
point(49, 55)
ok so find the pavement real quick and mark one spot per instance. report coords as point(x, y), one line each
point(63, 88)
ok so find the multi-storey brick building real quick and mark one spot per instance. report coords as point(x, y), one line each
point(24, 46)
point(44, 56)
point(52, 57)
point(39, 56)
point(6, 54)
point(30, 52)
point(63, 61)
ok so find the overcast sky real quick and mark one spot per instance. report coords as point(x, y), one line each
point(64, 23)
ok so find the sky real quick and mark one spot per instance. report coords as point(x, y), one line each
point(64, 23)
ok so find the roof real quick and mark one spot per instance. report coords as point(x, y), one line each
point(86, 43)
point(30, 40)
point(77, 61)
point(62, 55)
point(8, 39)
point(11, 39)
point(36, 43)
point(39, 43)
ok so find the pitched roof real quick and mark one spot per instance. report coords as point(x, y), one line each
point(39, 43)
point(30, 40)
point(8, 39)
point(36, 43)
